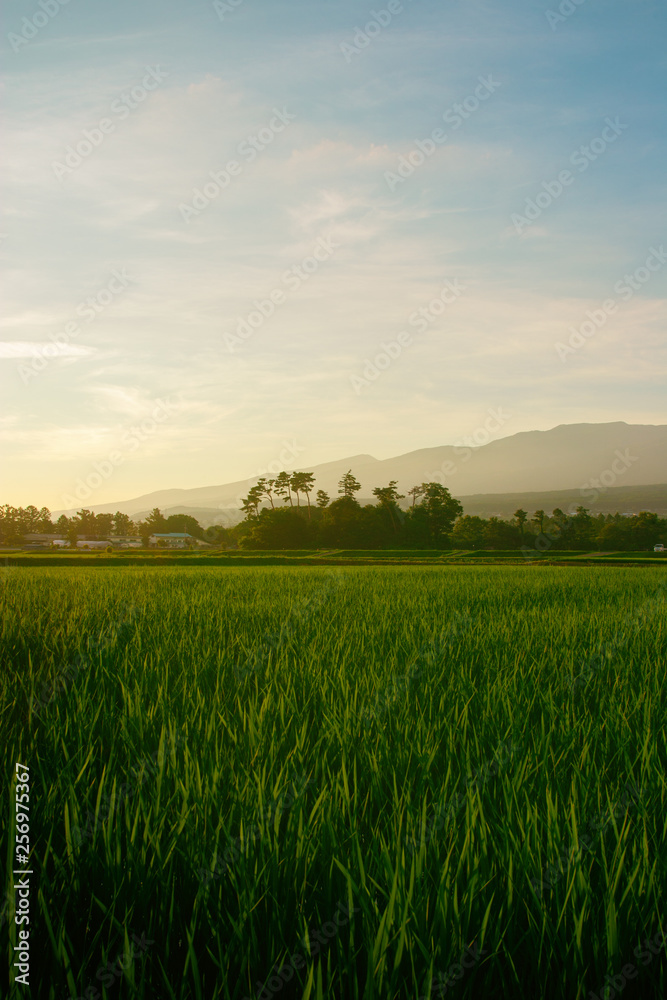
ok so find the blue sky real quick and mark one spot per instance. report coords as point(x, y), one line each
point(152, 386)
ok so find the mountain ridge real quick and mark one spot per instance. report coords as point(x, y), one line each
point(565, 458)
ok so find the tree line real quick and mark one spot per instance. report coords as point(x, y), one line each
point(18, 522)
point(433, 519)
point(344, 522)
point(279, 514)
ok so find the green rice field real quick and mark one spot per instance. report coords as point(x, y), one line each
point(391, 782)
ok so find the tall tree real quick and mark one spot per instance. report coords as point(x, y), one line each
point(185, 523)
point(269, 490)
point(250, 504)
point(322, 499)
point(123, 524)
point(103, 525)
point(436, 514)
point(500, 534)
point(388, 497)
point(645, 530)
point(344, 524)
point(278, 529)
point(583, 529)
point(303, 482)
point(521, 518)
point(15, 522)
point(469, 532)
point(40, 520)
point(440, 510)
point(62, 524)
point(295, 486)
point(156, 523)
point(85, 523)
point(283, 487)
point(12, 524)
point(538, 519)
point(416, 492)
point(264, 488)
point(307, 487)
point(348, 485)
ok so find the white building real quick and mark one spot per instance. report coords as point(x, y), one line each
point(125, 541)
point(173, 540)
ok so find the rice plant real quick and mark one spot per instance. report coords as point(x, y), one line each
point(346, 782)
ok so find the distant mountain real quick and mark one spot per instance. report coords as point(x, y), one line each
point(568, 460)
point(621, 499)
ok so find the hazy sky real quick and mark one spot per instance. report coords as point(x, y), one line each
point(116, 113)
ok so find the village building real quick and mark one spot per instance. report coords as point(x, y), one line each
point(173, 540)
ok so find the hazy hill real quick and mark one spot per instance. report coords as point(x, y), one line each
point(563, 460)
point(621, 499)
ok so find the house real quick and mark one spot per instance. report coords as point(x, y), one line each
point(659, 547)
point(173, 540)
point(125, 542)
point(92, 545)
point(34, 540)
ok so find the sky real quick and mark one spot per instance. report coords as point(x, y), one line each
point(246, 233)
